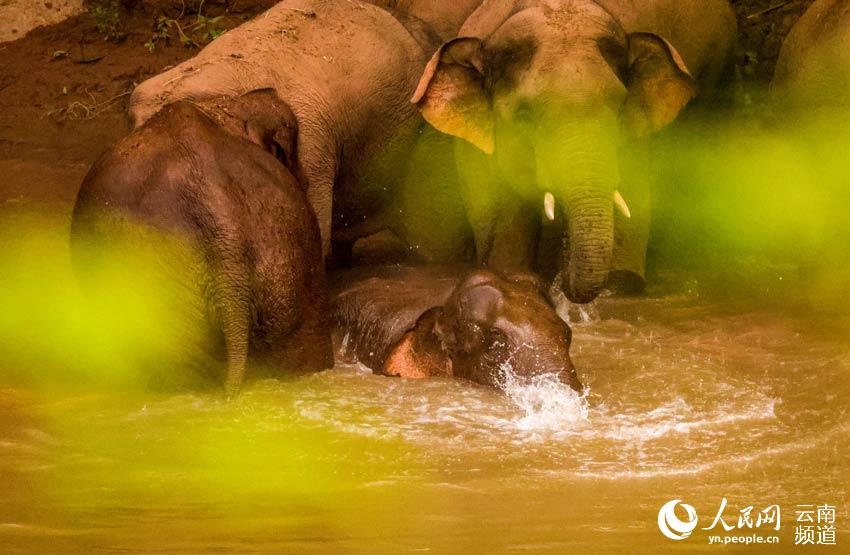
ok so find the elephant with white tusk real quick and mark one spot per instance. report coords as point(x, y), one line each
point(555, 99)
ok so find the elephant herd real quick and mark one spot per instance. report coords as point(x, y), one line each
point(503, 145)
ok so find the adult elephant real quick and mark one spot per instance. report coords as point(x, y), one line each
point(813, 69)
point(197, 212)
point(346, 70)
point(811, 92)
point(551, 101)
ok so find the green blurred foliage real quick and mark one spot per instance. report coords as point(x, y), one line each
point(156, 473)
point(106, 467)
point(749, 204)
point(126, 323)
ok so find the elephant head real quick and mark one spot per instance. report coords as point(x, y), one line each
point(487, 323)
point(552, 89)
point(261, 117)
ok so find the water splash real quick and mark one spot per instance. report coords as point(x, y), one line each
point(547, 403)
point(571, 313)
point(679, 417)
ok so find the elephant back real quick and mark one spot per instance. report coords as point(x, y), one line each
point(813, 69)
point(316, 54)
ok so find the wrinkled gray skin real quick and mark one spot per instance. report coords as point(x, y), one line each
point(419, 322)
point(346, 69)
point(560, 96)
point(812, 77)
point(199, 196)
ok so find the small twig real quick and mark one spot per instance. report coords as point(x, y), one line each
point(770, 9)
point(184, 39)
point(305, 13)
point(181, 76)
point(89, 111)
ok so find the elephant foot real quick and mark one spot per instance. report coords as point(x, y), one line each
point(625, 283)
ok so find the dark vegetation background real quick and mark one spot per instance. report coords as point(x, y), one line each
point(762, 26)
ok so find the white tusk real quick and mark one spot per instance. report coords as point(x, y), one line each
point(620, 203)
point(549, 206)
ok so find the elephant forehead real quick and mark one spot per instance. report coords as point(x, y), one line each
point(562, 66)
point(550, 47)
point(580, 19)
point(563, 88)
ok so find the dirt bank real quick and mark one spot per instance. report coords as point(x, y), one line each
point(17, 17)
point(64, 92)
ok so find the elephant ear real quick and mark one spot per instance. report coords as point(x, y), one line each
point(659, 85)
point(419, 353)
point(280, 141)
point(451, 93)
point(468, 315)
point(269, 122)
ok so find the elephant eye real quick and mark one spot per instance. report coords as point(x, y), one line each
point(280, 153)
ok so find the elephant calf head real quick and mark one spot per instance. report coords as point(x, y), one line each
point(551, 90)
point(488, 324)
point(261, 117)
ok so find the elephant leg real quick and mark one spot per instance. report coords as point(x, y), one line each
point(317, 328)
point(480, 191)
point(429, 215)
point(514, 235)
point(318, 173)
point(505, 227)
point(320, 196)
point(631, 234)
point(289, 287)
point(506, 234)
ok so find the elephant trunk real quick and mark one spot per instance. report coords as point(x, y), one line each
point(588, 245)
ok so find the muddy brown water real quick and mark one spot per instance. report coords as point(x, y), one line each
point(688, 399)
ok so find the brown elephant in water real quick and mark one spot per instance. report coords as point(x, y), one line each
point(200, 202)
point(346, 70)
point(552, 102)
point(417, 322)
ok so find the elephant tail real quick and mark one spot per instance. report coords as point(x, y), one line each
point(235, 326)
point(230, 299)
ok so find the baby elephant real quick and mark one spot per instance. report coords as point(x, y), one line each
point(417, 322)
point(201, 198)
